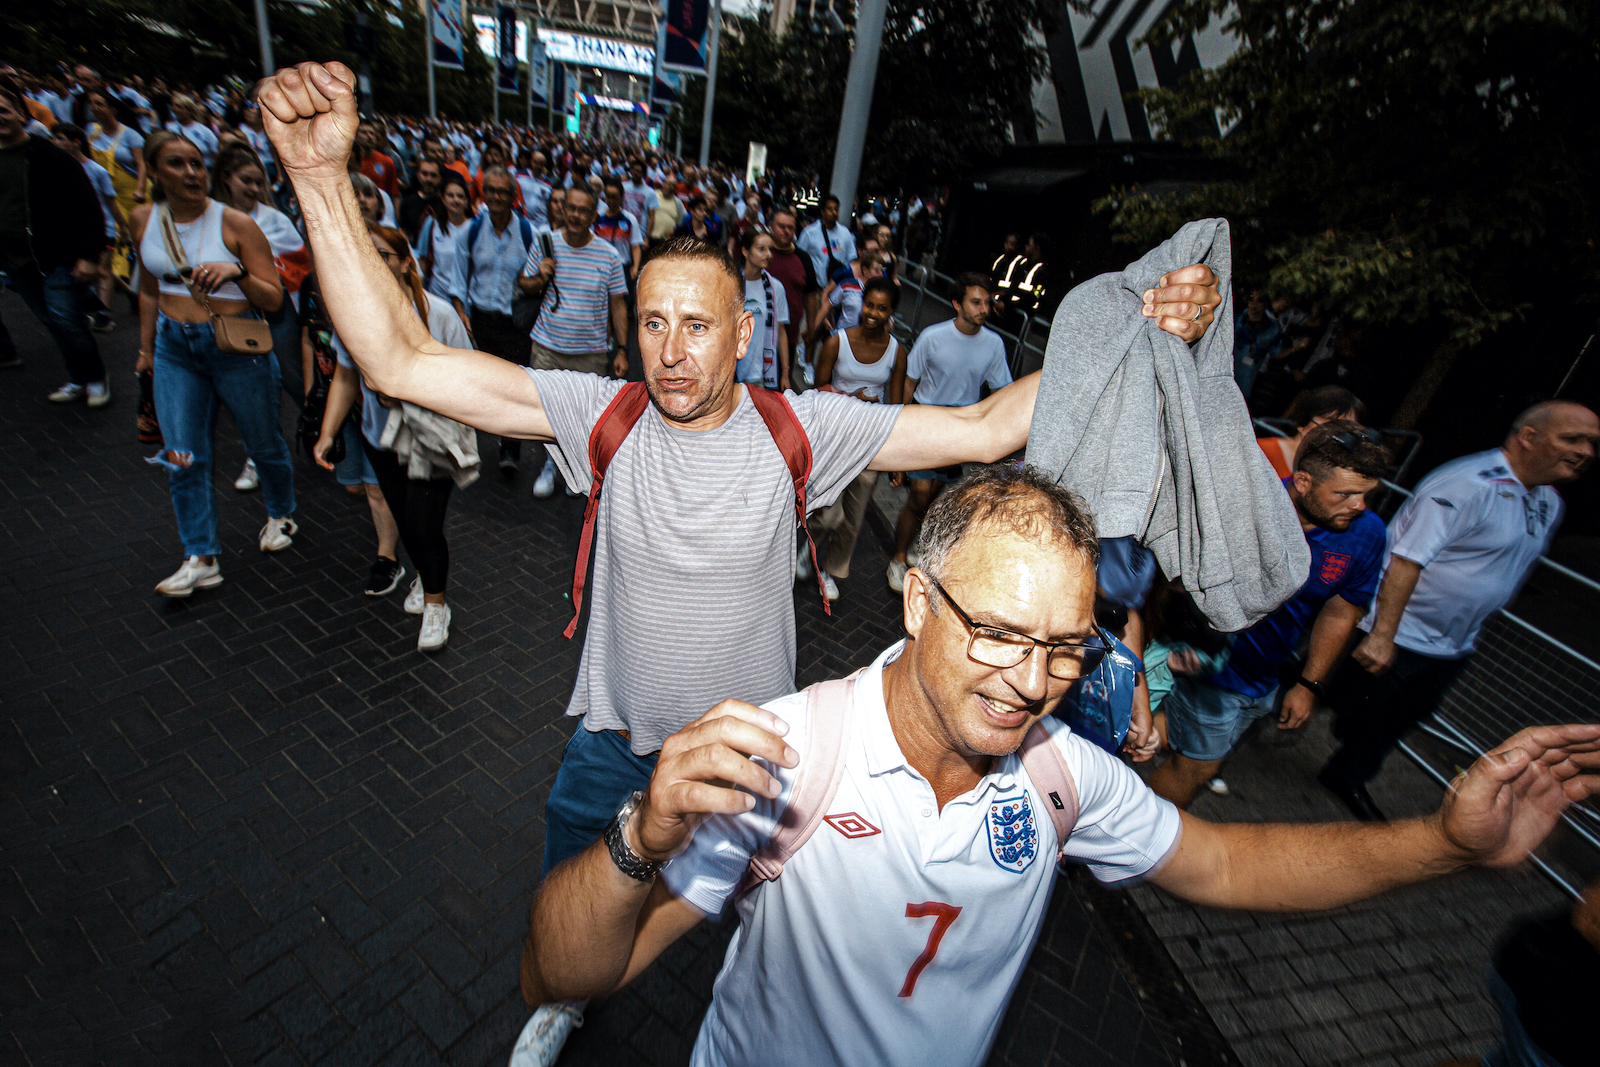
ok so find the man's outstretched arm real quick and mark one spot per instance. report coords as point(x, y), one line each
point(592, 929)
point(1494, 815)
point(310, 115)
point(988, 431)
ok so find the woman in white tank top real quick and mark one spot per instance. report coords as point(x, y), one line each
point(230, 262)
point(865, 362)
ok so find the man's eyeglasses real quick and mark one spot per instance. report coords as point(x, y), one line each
point(391, 256)
point(995, 647)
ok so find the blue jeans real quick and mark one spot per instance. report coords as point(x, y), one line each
point(57, 301)
point(1516, 1048)
point(598, 772)
point(1205, 721)
point(285, 326)
point(193, 378)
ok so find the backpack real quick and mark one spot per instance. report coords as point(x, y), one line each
point(617, 421)
point(830, 705)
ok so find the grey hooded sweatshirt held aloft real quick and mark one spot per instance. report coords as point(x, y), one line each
point(1153, 435)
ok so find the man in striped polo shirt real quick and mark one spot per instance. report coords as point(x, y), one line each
point(581, 284)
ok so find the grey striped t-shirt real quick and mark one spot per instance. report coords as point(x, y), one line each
point(694, 551)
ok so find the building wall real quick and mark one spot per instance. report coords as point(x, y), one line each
point(1095, 62)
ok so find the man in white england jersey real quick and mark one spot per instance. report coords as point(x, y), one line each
point(898, 932)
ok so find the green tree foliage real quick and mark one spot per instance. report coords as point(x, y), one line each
point(952, 74)
point(1404, 160)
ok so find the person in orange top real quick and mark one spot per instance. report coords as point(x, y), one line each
point(374, 164)
point(1311, 409)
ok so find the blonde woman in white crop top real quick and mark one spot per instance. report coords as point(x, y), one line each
point(866, 362)
point(231, 263)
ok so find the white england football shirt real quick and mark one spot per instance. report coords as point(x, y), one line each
point(1477, 531)
point(897, 934)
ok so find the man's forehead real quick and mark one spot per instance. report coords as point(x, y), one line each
point(692, 287)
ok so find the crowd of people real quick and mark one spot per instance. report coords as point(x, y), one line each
point(411, 283)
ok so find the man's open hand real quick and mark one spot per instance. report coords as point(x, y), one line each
point(1508, 801)
point(309, 112)
point(1179, 297)
point(699, 767)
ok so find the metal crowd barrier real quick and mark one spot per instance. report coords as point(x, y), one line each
point(928, 291)
point(1487, 702)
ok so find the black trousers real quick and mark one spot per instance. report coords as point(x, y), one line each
point(1376, 710)
point(498, 335)
point(419, 508)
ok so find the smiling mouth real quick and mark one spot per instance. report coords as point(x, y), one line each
point(1000, 715)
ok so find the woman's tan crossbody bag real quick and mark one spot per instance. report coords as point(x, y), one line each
point(234, 333)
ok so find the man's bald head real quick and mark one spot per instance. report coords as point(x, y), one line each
point(1551, 442)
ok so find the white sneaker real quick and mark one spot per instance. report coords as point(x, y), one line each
point(802, 564)
point(435, 627)
point(1218, 786)
point(248, 478)
point(913, 557)
point(191, 576)
point(68, 393)
point(540, 1043)
point(897, 575)
point(278, 534)
point(414, 599)
point(830, 588)
point(545, 484)
point(99, 394)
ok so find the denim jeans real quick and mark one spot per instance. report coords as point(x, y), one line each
point(285, 326)
point(56, 300)
point(598, 771)
point(193, 378)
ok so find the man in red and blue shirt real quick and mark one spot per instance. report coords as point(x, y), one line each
point(1337, 465)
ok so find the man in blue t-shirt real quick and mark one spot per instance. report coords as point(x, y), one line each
point(1336, 466)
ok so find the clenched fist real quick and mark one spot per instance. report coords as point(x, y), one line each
point(309, 112)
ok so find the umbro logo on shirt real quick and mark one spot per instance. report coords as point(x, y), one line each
point(851, 825)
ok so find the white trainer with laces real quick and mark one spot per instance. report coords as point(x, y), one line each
point(414, 601)
point(913, 557)
point(248, 478)
point(830, 588)
point(278, 534)
point(897, 575)
point(99, 394)
point(540, 1043)
point(435, 627)
point(194, 574)
point(68, 393)
point(802, 564)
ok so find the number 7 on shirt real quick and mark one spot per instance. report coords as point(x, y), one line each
point(944, 915)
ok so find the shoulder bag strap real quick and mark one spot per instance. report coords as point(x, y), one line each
point(829, 706)
point(790, 437)
point(1047, 769)
point(180, 259)
point(616, 422)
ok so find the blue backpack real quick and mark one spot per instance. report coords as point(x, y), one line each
point(1100, 706)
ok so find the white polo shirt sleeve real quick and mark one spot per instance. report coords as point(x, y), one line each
point(708, 872)
point(1434, 519)
point(1124, 833)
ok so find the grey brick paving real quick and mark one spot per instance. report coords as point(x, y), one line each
point(1398, 979)
point(257, 827)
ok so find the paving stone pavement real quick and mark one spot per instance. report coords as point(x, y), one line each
point(256, 826)
point(1397, 980)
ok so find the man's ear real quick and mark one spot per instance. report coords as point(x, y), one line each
point(915, 601)
point(1303, 482)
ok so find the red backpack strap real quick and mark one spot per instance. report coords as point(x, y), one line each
point(616, 422)
point(829, 705)
point(1047, 769)
point(790, 437)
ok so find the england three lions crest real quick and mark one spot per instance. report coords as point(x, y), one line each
point(1013, 833)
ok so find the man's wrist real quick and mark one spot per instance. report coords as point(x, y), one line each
point(1317, 689)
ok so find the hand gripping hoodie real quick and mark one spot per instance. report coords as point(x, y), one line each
point(1154, 436)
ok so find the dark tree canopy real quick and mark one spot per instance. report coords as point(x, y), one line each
point(1406, 161)
point(952, 75)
